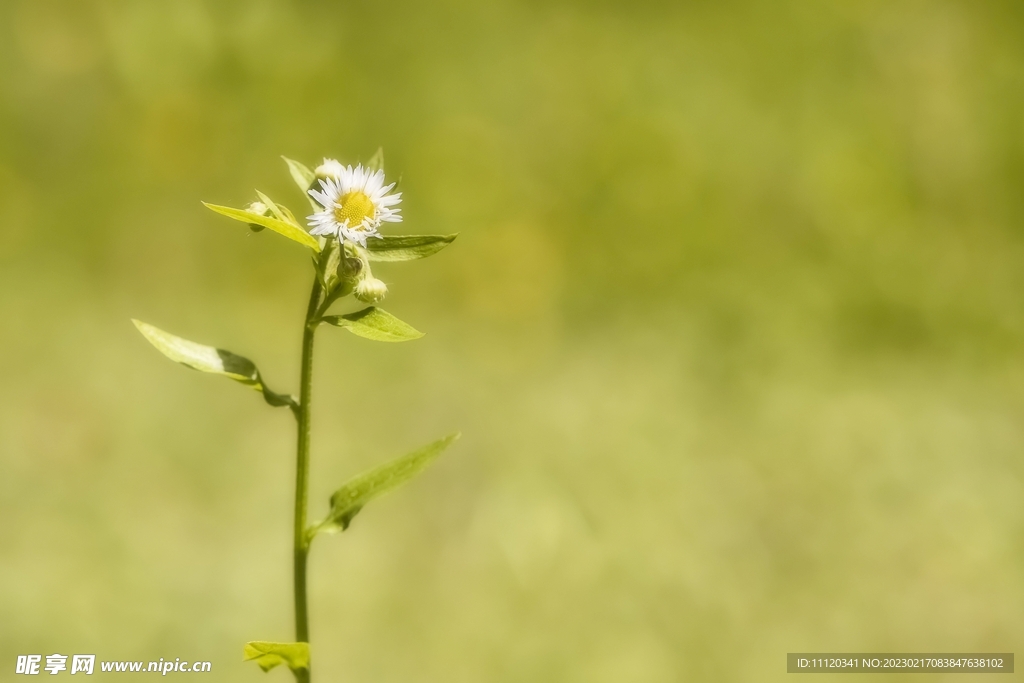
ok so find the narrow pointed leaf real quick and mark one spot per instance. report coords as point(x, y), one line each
point(302, 176)
point(268, 655)
point(280, 211)
point(357, 492)
point(407, 247)
point(326, 266)
point(213, 360)
point(376, 162)
point(290, 231)
point(374, 323)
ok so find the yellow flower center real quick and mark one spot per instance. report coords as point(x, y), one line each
point(354, 206)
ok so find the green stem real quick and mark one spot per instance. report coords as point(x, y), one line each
point(302, 474)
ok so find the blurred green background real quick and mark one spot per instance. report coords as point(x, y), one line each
point(734, 331)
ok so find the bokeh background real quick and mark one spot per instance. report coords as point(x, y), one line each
point(734, 331)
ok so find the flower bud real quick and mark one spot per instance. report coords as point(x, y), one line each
point(260, 209)
point(349, 268)
point(371, 290)
point(341, 281)
point(329, 169)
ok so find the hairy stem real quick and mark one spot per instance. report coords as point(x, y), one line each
point(302, 473)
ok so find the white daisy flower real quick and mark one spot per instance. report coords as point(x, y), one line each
point(355, 202)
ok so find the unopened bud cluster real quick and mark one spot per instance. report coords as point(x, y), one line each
point(371, 290)
point(260, 209)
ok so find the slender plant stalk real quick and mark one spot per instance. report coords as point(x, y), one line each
point(302, 473)
point(342, 268)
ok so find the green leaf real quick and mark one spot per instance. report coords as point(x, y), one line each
point(213, 360)
point(357, 492)
point(327, 266)
point(269, 655)
point(280, 211)
point(406, 247)
point(376, 162)
point(374, 323)
point(302, 176)
point(290, 231)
